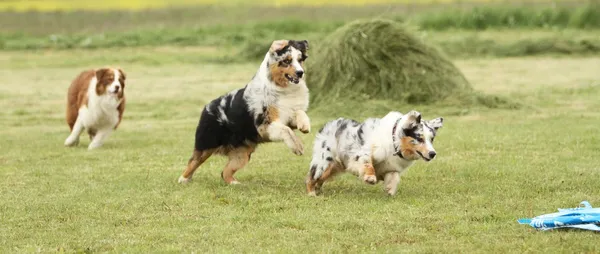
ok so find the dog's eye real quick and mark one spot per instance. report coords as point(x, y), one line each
point(414, 142)
point(287, 61)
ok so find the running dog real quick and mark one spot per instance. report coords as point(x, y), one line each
point(95, 102)
point(267, 109)
point(377, 149)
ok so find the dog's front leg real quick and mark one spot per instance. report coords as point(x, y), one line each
point(277, 131)
point(302, 122)
point(73, 139)
point(390, 182)
point(363, 166)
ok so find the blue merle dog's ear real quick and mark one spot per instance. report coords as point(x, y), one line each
point(411, 120)
point(299, 45)
point(303, 45)
point(436, 123)
point(278, 45)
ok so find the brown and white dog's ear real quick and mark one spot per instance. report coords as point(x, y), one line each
point(436, 123)
point(410, 120)
point(278, 45)
point(122, 73)
point(101, 72)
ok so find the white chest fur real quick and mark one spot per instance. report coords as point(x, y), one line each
point(101, 110)
point(291, 99)
point(393, 164)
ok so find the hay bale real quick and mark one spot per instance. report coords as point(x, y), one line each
point(380, 59)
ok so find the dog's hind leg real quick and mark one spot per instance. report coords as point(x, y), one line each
point(198, 157)
point(238, 158)
point(313, 186)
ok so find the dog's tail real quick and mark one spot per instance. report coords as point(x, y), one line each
point(324, 150)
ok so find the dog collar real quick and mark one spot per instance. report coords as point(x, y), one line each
point(396, 147)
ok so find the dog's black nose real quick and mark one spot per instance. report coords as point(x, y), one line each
point(432, 154)
point(299, 73)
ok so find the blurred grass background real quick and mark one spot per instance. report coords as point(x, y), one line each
point(69, 5)
point(460, 29)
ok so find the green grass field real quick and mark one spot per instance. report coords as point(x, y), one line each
point(494, 166)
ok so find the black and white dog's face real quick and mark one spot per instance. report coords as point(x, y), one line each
point(286, 62)
point(416, 136)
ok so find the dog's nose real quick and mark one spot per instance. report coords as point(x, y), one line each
point(116, 89)
point(432, 154)
point(299, 73)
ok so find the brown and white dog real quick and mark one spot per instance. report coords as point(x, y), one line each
point(267, 109)
point(95, 102)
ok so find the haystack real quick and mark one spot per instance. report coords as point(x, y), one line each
point(380, 59)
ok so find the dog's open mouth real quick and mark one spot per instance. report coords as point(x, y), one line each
point(424, 158)
point(292, 79)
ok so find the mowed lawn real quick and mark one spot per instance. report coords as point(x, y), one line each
point(493, 167)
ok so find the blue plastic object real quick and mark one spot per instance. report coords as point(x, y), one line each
point(582, 217)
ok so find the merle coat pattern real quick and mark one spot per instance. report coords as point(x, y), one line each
point(376, 149)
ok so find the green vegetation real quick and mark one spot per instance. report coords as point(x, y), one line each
point(248, 29)
point(486, 17)
point(381, 59)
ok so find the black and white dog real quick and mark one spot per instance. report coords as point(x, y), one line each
point(267, 109)
point(377, 149)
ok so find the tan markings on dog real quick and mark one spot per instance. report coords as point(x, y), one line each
point(409, 150)
point(369, 169)
point(238, 158)
point(329, 172)
point(198, 157)
point(278, 72)
point(77, 96)
point(277, 45)
point(272, 114)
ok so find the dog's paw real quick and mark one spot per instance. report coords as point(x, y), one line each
point(298, 148)
point(370, 179)
point(183, 180)
point(94, 145)
point(304, 128)
point(312, 194)
point(72, 141)
point(302, 121)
